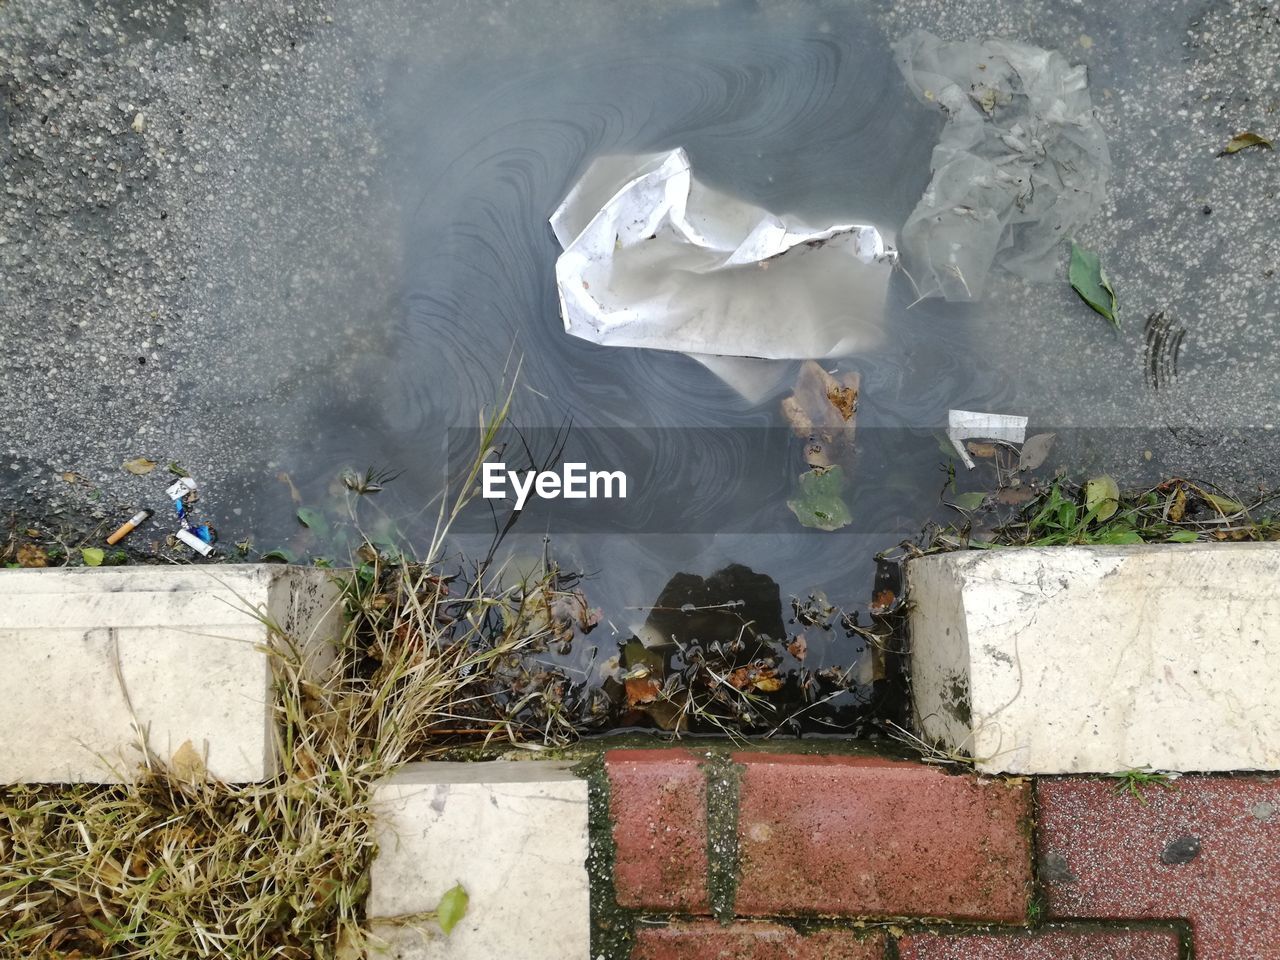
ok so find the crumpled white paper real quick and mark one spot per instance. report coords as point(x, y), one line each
point(654, 258)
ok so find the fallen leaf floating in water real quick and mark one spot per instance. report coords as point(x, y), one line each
point(642, 690)
point(139, 466)
point(1102, 494)
point(294, 495)
point(821, 400)
point(1015, 496)
point(1242, 141)
point(798, 647)
point(1036, 450)
point(882, 602)
point(823, 410)
point(820, 504)
point(982, 450)
point(844, 399)
point(1090, 281)
point(762, 677)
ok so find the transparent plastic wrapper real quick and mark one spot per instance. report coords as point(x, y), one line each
point(1022, 161)
point(654, 258)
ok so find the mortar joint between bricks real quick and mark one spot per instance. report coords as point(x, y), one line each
point(724, 781)
point(612, 926)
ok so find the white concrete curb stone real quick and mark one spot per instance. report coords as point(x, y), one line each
point(1100, 659)
point(93, 655)
point(513, 833)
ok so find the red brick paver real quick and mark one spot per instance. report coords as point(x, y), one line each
point(1207, 850)
point(658, 799)
point(708, 940)
point(1043, 945)
point(866, 837)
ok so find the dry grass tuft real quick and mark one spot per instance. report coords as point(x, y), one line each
point(177, 865)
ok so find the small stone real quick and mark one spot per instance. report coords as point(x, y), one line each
point(1183, 850)
point(1054, 868)
point(1207, 210)
point(1262, 810)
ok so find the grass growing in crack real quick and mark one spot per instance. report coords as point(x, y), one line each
point(179, 865)
point(1136, 782)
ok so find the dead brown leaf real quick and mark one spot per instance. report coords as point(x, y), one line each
point(187, 764)
point(798, 647)
point(294, 495)
point(981, 449)
point(1178, 506)
point(768, 684)
point(820, 400)
point(29, 555)
point(642, 690)
point(882, 602)
point(761, 677)
point(1015, 495)
point(844, 399)
point(1243, 140)
point(139, 466)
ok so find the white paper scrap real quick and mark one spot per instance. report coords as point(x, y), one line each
point(181, 488)
point(965, 425)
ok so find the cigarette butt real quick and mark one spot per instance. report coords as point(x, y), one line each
point(195, 543)
point(127, 527)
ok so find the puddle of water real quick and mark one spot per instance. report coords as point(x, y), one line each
point(485, 114)
point(797, 108)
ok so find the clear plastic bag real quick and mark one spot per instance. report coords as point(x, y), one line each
point(1022, 161)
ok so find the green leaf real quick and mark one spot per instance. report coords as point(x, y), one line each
point(279, 555)
point(1244, 140)
point(93, 556)
point(1068, 513)
point(1090, 281)
point(969, 502)
point(819, 504)
point(1224, 504)
point(1183, 536)
point(314, 520)
point(1118, 536)
point(452, 908)
point(1102, 497)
